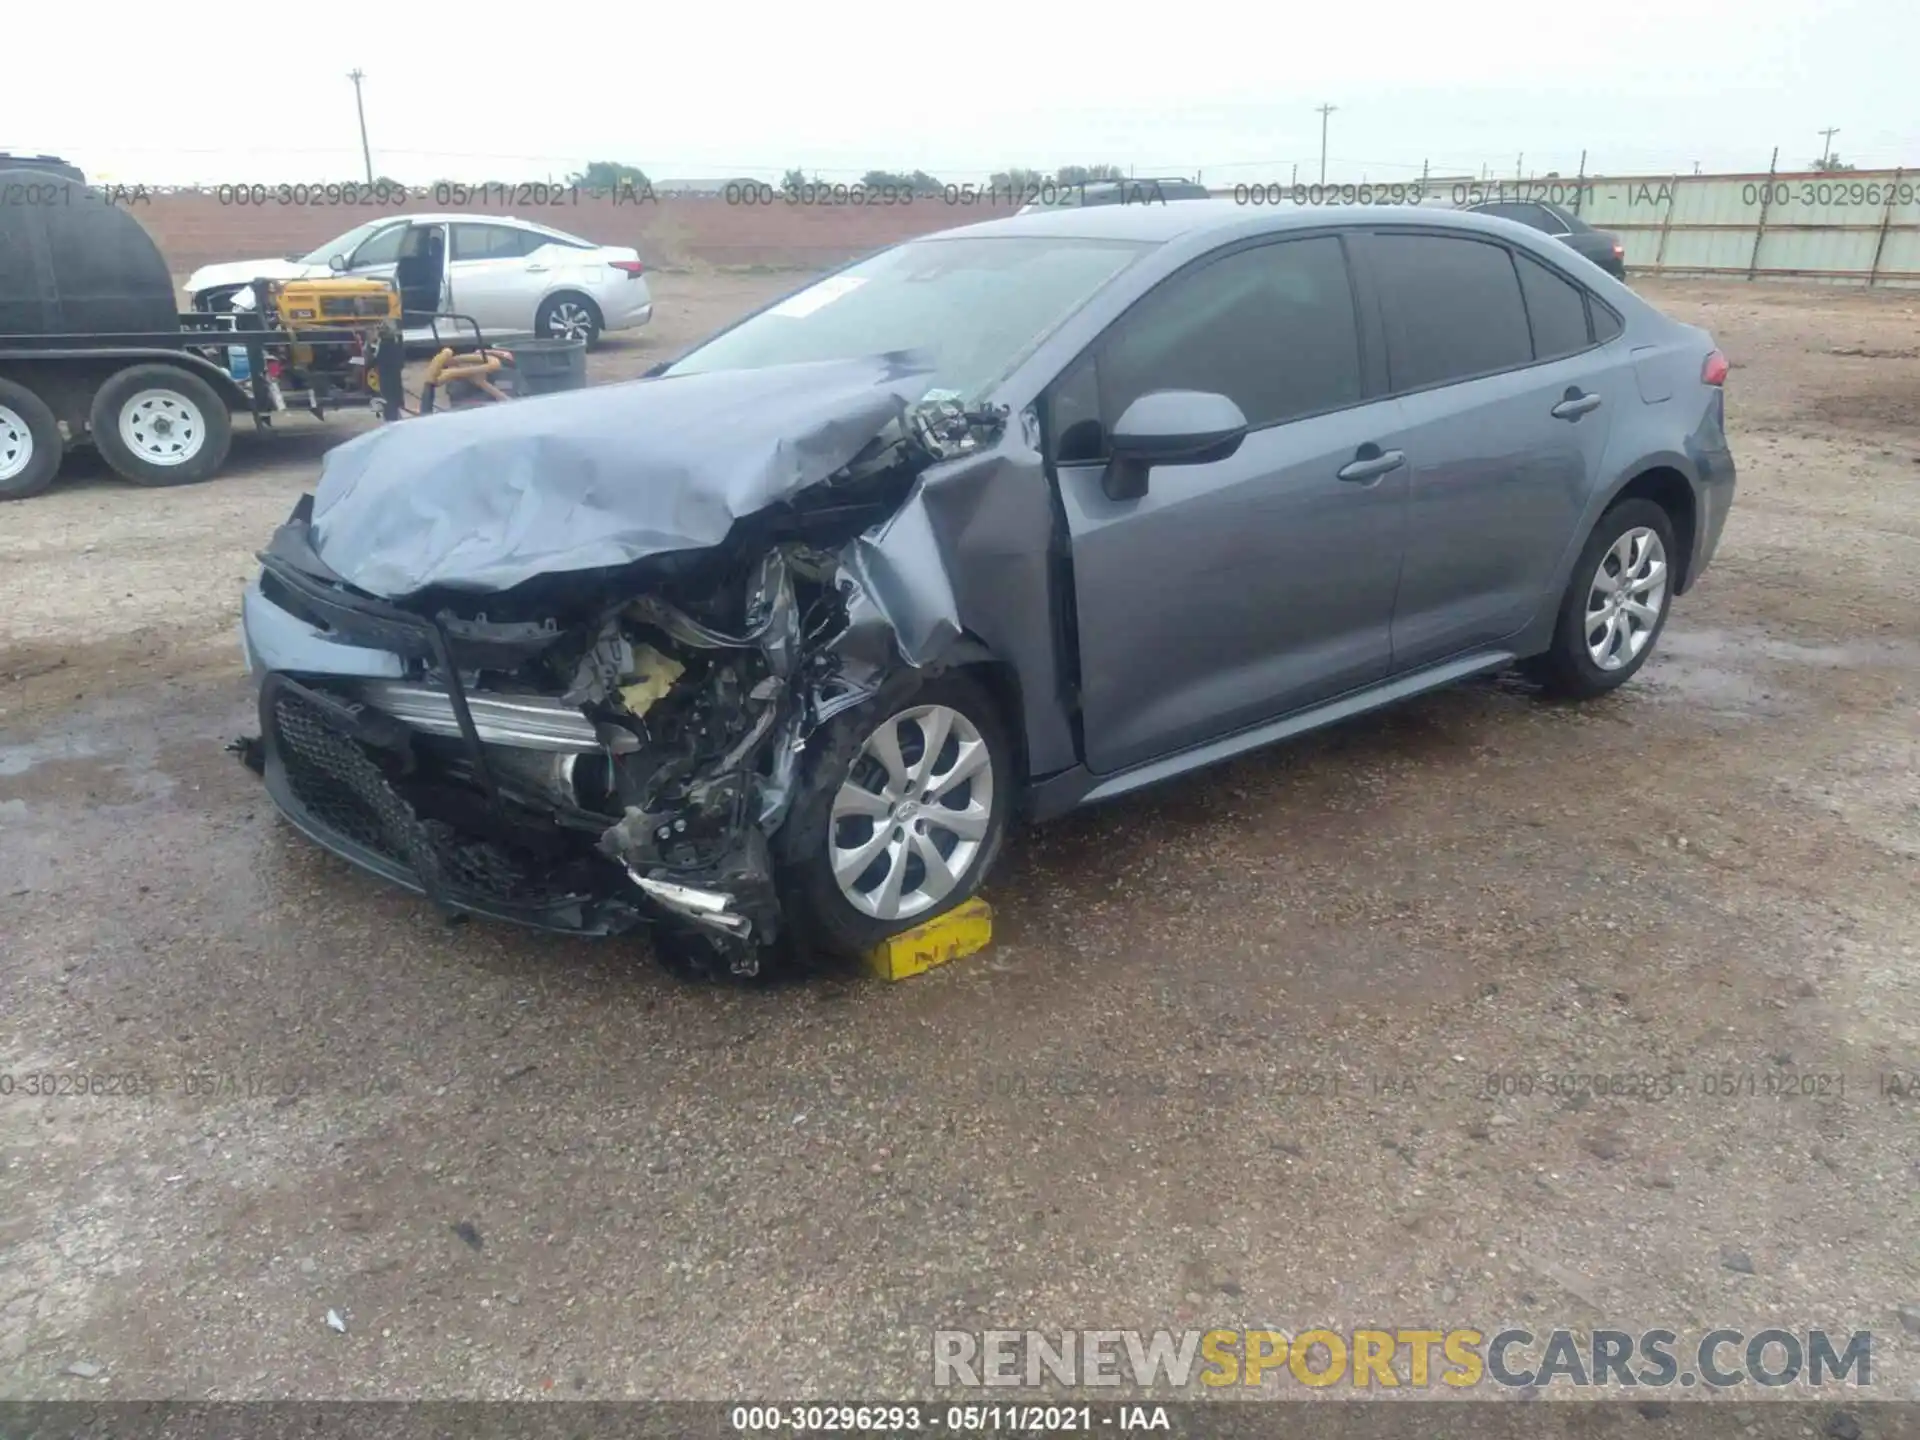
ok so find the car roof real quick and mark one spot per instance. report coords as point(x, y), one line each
point(1140, 180)
point(440, 218)
point(448, 218)
point(1157, 224)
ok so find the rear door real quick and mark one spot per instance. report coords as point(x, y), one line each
point(1508, 401)
point(1235, 591)
point(492, 275)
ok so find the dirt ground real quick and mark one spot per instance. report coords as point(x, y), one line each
point(1229, 1061)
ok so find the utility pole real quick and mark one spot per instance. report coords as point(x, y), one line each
point(365, 154)
point(1826, 149)
point(1325, 111)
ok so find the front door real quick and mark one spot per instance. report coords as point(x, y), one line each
point(378, 254)
point(421, 272)
point(1236, 591)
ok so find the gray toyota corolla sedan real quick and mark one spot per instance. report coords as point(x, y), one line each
point(770, 647)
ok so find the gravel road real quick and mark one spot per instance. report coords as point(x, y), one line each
point(1270, 1047)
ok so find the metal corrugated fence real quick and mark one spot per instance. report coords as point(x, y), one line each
point(1858, 227)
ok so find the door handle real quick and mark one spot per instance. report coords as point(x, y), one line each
point(1575, 404)
point(536, 269)
point(1369, 463)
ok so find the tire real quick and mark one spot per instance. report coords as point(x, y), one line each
point(161, 425)
point(1588, 626)
point(822, 916)
point(31, 447)
point(568, 316)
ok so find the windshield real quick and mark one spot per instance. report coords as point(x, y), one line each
point(975, 307)
point(344, 245)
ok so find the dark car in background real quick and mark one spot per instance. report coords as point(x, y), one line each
point(45, 164)
point(1603, 247)
point(994, 523)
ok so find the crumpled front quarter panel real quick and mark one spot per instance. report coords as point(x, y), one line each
point(970, 553)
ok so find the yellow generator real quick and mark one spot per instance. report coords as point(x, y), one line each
point(342, 331)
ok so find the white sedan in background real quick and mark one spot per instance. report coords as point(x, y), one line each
point(511, 276)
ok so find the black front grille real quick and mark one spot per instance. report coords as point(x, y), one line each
point(339, 785)
point(355, 306)
point(344, 792)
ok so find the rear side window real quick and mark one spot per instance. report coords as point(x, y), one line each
point(488, 242)
point(1556, 310)
point(1272, 328)
point(1606, 324)
point(1453, 309)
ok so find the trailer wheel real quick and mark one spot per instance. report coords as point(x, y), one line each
point(30, 443)
point(161, 425)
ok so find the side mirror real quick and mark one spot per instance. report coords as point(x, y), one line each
point(1169, 427)
point(337, 264)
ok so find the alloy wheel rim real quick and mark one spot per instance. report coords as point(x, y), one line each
point(1626, 598)
point(908, 824)
point(570, 321)
point(16, 444)
point(162, 427)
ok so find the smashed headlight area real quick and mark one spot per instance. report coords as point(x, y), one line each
point(589, 749)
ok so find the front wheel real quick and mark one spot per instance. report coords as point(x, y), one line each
point(1616, 604)
point(160, 425)
point(903, 809)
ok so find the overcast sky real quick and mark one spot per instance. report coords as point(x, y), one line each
point(511, 90)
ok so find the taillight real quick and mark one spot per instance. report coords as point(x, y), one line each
point(1619, 249)
point(1714, 371)
point(632, 268)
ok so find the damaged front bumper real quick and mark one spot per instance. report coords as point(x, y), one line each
point(318, 752)
point(581, 779)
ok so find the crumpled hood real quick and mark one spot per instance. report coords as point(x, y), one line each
point(245, 272)
point(485, 499)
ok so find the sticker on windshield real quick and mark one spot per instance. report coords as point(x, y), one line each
point(825, 293)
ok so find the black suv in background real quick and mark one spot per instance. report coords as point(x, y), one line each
point(45, 164)
point(1602, 247)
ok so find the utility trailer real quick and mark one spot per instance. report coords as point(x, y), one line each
point(94, 349)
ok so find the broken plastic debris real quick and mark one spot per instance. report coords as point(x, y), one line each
point(334, 1322)
point(657, 674)
point(85, 1369)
